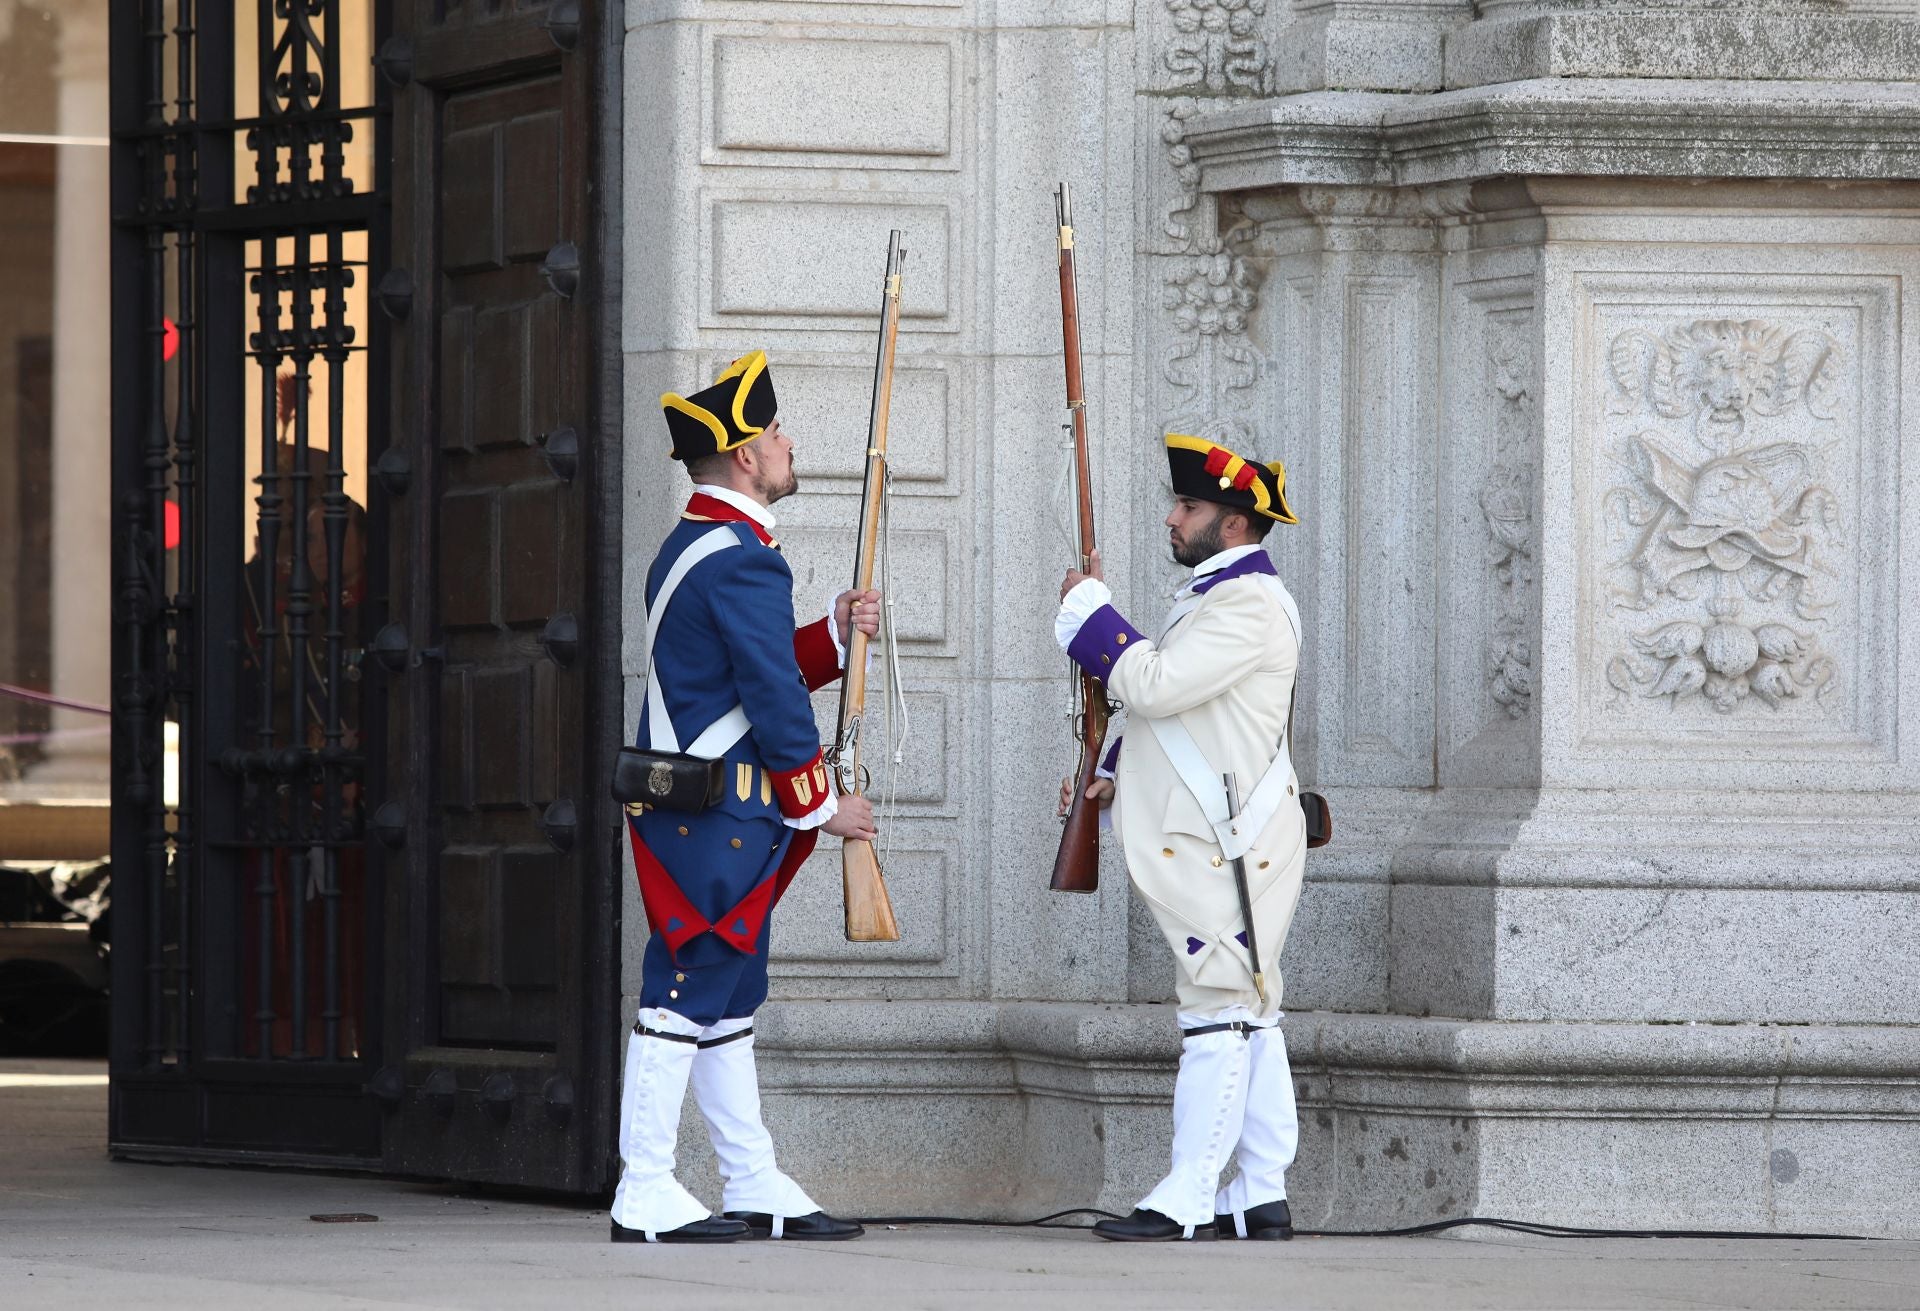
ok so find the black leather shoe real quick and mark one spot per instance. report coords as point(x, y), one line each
point(1145, 1226)
point(1272, 1222)
point(818, 1227)
point(713, 1229)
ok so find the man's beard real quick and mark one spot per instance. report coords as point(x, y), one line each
point(1202, 544)
point(771, 491)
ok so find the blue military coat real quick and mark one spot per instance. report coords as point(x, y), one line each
point(726, 638)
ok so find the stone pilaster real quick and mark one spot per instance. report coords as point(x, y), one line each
point(1650, 754)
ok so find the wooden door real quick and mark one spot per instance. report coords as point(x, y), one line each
point(502, 983)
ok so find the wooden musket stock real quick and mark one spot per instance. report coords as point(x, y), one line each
point(869, 911)
point(1076, 868)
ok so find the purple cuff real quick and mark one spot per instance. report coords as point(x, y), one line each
point(1112, 760)
point(1101, 641)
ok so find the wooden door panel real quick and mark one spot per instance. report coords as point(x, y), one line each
point(508, 937)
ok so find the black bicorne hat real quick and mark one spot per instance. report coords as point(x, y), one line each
point(1208, 471)
point(731, 413)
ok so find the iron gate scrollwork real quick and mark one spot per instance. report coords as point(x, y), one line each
point(249, 404)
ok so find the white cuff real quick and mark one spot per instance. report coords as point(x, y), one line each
point(833, 632)
point(1077, 607)
point(819, 815)
point(833, 629)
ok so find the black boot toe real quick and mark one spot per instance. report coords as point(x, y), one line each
point(1272, 1222)
point(1145, 1226)
point(713, 1229)
point(818, 1226)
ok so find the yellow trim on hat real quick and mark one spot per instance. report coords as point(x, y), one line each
point(1259, 489)
point(1262, 502)
point(748, 369)
point(675, 401)
point(1279, 472)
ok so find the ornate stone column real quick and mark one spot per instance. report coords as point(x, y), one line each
point(1592, 364)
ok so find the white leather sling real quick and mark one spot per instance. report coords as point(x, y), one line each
point(718, 737)
point(1236, 834)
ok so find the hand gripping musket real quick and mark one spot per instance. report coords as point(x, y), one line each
point(1077, 866)
point(869, 912)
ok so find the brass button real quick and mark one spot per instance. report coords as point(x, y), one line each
point(1166, 851)
point(683, 830)
point(1265, 863)
point(1289, 789)
point(736, 842)
point(1217, 862)
point(1119, 639)
point(673, 994)
point(1106, 660)
point(679, 978)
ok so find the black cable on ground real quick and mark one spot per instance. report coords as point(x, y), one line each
point(1543, 1230)
point(1044, 1222)
point(1537, 1228)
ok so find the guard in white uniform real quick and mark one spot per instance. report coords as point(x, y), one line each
point(1210, 696)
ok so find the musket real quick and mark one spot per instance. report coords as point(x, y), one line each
point(1246, 898)
point(869, 911)
point(1076, 868)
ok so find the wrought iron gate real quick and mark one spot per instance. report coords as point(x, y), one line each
point(365, 625)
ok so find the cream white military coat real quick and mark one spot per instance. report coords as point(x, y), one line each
point(1226, 670)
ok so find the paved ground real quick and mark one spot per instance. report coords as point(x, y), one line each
point(79, 1231)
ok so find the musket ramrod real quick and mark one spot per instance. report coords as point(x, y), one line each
point(869, 910)
point(1077, 866)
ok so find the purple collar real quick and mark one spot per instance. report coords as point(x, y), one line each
point(1254, 562)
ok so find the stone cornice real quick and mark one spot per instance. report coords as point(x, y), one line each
point(1565, 127)
point(865, 1046)
point(1713, 45)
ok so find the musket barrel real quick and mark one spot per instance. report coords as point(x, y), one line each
point(869, 911)
point(1076, 867)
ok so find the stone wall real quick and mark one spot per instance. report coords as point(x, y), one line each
point(770, 147)
point(1589, 343)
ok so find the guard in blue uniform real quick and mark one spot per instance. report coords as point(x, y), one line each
point(729, 677)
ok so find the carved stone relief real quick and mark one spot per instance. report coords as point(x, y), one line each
point(1217, 46)
point(1186, 173)
point(1209, 285)
point(1200, 55)
point(1728, 533)
point(1210, 364)
point(1506, 505)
